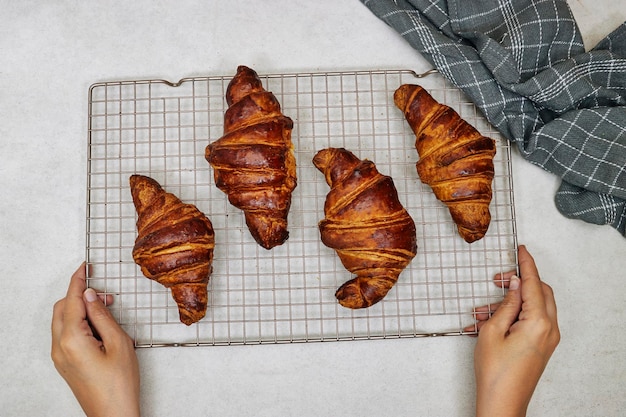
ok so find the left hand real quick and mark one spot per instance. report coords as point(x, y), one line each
point(101, 368)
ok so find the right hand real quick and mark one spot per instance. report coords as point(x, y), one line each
point(101, 368)
point(515, 344)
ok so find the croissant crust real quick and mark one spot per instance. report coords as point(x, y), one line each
point(253, 162)
point(455, 160)
point(174, 246)
point(365, 223)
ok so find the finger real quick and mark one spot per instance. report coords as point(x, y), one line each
point(100, 317)
point(527, 262)
point(471, 330)
point(509, 308)
point(502, 279)
point(485, 312)
point(532, 290)
point(482, 316)
point(548, 296)
point(107, 299)
point(57, 320)
point(475, 328)
point(74, 307)
point(78, 282)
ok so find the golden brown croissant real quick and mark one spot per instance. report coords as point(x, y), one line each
point(253, 162)
point(174, 246)
point(455, 160)
point(367, 226)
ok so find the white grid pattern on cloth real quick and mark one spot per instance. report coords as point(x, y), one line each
point(558, 78)
point(608, 205)
point(567, 156)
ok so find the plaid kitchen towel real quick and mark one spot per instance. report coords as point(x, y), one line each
point(523, 63)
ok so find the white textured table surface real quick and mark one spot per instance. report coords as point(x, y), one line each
point(51, 52)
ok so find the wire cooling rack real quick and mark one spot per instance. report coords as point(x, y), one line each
point(160, 129)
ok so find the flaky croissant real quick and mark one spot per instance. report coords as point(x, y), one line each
point(253, 162)
point(365, 223)
point(455, 160)
point(174, 246)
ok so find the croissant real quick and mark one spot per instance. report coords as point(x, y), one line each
point(455, 160)
point(174, 246)
point(253, 162)
point(365, 223)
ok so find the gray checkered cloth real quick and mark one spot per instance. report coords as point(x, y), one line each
point(523, 63)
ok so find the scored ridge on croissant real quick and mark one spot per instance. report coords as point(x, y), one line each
point(455, 160)
point(365, 223)
point(174, 246)
point(253, 162)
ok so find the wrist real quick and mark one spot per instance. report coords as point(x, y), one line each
point(501, 407)
point(500, 398)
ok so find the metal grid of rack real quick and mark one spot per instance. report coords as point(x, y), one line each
point(160, 129)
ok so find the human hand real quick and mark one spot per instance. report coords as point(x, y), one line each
point(93, 354)
point(515, 344)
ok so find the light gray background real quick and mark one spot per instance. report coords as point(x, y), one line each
point(51, 52)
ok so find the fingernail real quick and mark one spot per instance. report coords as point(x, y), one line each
point(513, 282)
point(90, 295)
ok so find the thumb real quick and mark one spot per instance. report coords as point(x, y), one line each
point(99, 315)
point(509, 308)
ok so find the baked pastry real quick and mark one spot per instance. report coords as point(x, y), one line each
point(365, 223)
point(253, 162)
point(174, 246)
point(455, 160)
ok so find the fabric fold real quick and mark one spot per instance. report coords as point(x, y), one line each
point(524, 65)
